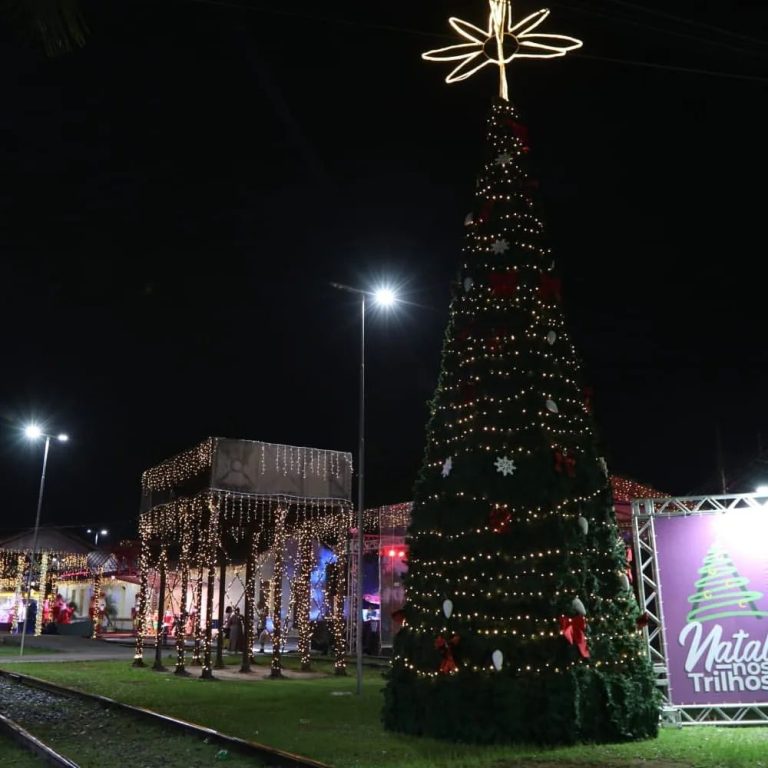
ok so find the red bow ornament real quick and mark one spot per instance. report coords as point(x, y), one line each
point(519, 130)
point(549, 287)
point(484, 214)
point(642, 620)
point(573, 630)
point(447, 665)
point(503, 283)
point(565, 463)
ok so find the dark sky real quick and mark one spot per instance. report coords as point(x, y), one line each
point(177, 195)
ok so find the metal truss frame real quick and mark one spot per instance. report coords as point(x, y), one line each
point(644, 512)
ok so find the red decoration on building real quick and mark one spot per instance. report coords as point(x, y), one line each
point(503, 283)
point(573, 630)
point(549, 287)
point(447, 664)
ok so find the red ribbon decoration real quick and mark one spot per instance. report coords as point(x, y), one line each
point(572, 629)
point(504, 283)
point(447, 665)
point(485, 212)
point(565, 462)
point(499, 519)
point(549, 287)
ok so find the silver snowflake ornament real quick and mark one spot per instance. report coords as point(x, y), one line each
point(505, 466)
point(447, 467)
point(504, 158)
point(500, 246)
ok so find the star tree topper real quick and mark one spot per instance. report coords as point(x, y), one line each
point(500, 43)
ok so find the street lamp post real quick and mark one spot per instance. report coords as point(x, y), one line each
point(96, 534)
point(33, 432)
point(384, 297)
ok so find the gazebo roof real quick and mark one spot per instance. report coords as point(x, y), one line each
point(48, 540)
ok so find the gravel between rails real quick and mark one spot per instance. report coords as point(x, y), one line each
point(97, 737)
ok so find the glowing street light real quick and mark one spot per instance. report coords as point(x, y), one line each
point(385, 297)
point(34, 432)
point(96, 534)
point(762, 490)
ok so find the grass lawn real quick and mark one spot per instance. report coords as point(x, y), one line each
point(323, 718)
point(12, 754)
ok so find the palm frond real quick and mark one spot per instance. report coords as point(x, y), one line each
point(58, 25)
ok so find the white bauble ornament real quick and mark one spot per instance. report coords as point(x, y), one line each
point(498, 660)
point(624, 581)
point(551, 338)
point(551, 406)
point(583, 525)
point(448, 608)
point(469, 284)
point(578, 607)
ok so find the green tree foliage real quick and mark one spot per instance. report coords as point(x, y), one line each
point(513, 533)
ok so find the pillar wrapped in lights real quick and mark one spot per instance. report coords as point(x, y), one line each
point(162, 566)
point(141, 615)
point(277, 621)
point(43, 593)
point(95, 602)
point(250, 588)
point(212, 539)
point(303, 594)
point(181, 626)
point(18, 593)
point(222, 599)
point(197, 624)
point(338, 628)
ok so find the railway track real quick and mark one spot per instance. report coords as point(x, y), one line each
point(60, 723)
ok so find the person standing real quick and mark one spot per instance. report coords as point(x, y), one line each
point(235, 624)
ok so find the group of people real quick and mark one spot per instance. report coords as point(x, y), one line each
point(56, 612)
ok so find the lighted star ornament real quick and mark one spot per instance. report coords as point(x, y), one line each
point(500, 43)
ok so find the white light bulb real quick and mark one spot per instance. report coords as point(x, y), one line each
point(33, 432)
point(385, 297)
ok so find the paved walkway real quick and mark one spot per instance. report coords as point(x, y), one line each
point(62, 648)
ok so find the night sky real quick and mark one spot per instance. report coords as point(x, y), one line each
point(178, 194)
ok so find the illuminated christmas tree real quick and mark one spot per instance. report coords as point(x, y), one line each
point(721, 592)
point(520, 623)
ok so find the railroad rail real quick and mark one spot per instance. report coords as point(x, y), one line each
point(267, 755)
point(31, 743)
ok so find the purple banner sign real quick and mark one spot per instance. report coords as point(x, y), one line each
point(713, 581)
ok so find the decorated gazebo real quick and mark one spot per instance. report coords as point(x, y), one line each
point(231, 505)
